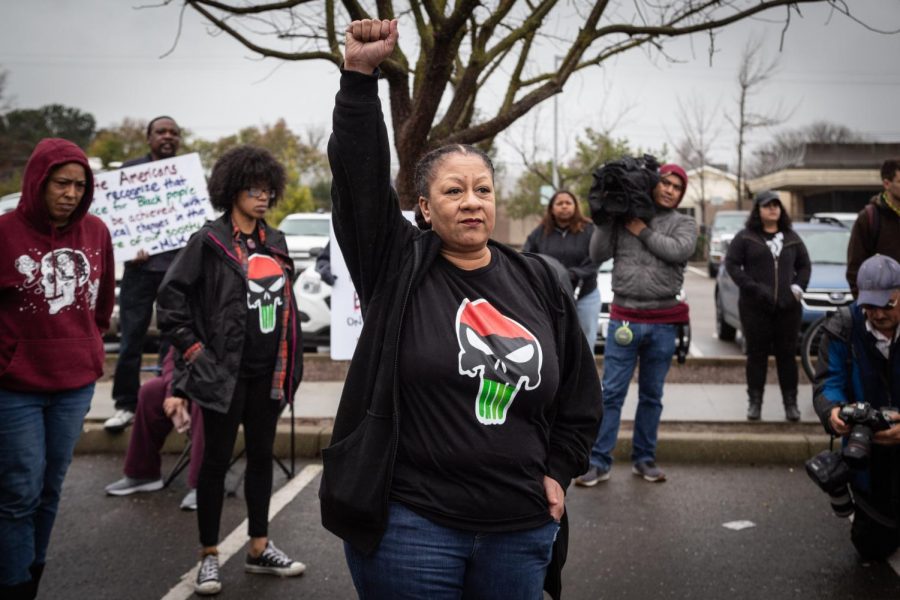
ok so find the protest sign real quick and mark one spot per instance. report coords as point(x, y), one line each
point(155, 206)
point(346, 316)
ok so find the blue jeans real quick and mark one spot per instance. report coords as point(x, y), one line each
point(38, 432)
point(652, 345)
point(137, 293)
point(588, 308)
point(420, 559)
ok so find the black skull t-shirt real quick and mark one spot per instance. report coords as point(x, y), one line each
point(478, 373)
point(265, 304)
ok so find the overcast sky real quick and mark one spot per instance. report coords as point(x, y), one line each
point(103, 57)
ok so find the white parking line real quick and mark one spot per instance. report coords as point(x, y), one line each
point(237, 538)
point(697, 271)
point(695, 351)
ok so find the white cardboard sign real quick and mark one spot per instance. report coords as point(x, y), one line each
point(346, 317)
point(155, 206)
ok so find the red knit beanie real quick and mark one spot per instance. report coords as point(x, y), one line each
point(677, 170)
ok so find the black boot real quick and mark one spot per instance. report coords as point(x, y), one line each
point(754, 404)
point(22, 591)
point(791, 411)
point(37, 571)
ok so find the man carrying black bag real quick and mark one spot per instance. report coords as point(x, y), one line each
point(651, 252)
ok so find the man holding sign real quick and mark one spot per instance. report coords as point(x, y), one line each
point(137, 291)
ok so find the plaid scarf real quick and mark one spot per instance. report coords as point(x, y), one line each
point(281, 359)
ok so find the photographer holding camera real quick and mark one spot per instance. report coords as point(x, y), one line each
point(646, 314)
point(857, 395)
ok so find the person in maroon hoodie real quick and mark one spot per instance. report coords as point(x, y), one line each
point(57, 288)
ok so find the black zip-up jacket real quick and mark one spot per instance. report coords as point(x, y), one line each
point(761, 278)
point(387, 257)
point(203, 298)
point(571, 249)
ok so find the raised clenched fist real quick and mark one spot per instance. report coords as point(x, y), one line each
point(367, 43)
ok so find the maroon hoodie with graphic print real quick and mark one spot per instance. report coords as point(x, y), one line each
point(57, 285)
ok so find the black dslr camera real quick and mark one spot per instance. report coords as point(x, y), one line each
point(623, 189)
point(831, 470)
point(864, 421)
point(832, 474)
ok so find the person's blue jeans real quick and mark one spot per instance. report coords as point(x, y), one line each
point(588, 307)
point(137, 293)
point(38, 432)
point(420, 559)
point(653, 345)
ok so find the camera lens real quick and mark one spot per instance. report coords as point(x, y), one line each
point(856, 452)
point(841, 503)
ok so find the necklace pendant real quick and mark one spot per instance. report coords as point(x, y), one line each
point(251, 244)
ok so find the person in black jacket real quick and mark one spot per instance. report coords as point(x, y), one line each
point(472, 399)
point(769, 263)
point(565, 234)
point(137, 291)
point(227, 307)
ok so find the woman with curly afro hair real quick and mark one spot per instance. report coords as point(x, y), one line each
point(226, 305)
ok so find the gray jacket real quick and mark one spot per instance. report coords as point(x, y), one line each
point(649, 269)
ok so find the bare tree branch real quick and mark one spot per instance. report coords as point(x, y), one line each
point(464, 47)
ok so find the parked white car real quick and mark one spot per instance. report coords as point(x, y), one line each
point(314, 303)
point(306, 234)
point(604, 284)
point(9, 202)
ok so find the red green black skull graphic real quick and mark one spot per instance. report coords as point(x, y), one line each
point(264, 282)
point(500, 351)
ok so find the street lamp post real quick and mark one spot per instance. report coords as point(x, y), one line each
point(557, 60)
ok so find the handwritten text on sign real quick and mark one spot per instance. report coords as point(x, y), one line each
point(154, 207)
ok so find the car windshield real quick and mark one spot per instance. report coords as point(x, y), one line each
point(826, 246)
point(729, 223)
point(305, 227)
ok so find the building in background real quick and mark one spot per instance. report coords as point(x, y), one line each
point(831, 178)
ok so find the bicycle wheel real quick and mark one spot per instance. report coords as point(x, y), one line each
point(809, 346)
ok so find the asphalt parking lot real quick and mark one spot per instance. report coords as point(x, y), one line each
point(629, 540)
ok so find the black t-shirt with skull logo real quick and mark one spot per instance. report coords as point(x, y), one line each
point(478, 373)
point(265, 305)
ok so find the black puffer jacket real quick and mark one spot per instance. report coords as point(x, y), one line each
point(203, 298)
point(762, 279)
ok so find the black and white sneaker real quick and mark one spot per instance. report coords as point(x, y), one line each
point(208, 582)
point(273, 561)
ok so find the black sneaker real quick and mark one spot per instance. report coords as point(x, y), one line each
point(208, 582)
point(593, 476)
point(273, 561)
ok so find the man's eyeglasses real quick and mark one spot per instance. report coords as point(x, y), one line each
point(891, 304)
point(258, 193)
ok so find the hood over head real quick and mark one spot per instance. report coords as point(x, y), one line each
point(49, 154)
point(678, 172)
